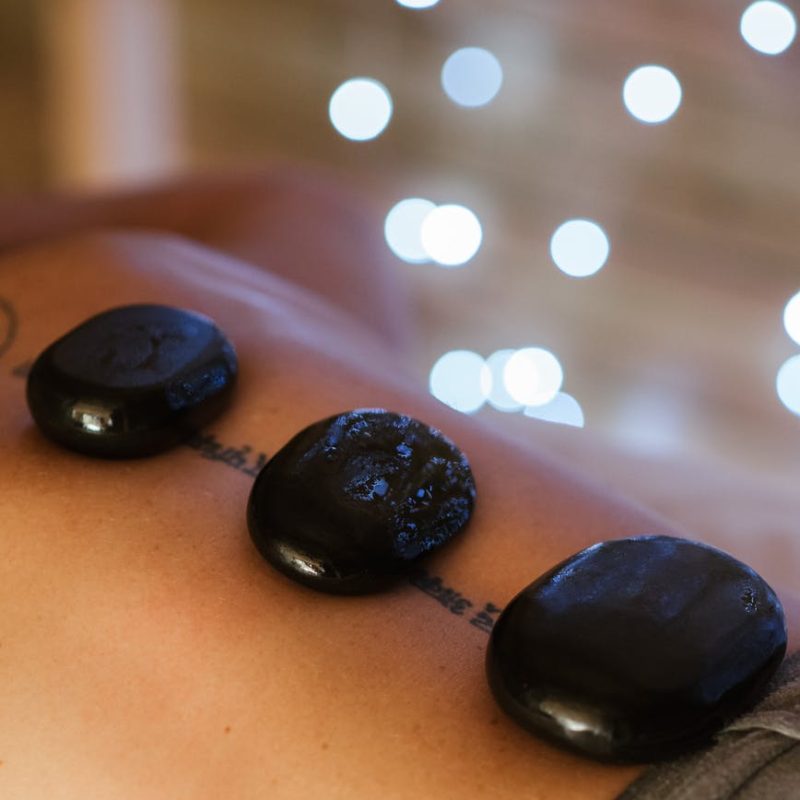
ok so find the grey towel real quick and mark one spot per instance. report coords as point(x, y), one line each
point(757, 757)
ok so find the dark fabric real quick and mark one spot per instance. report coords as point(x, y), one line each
point(757, 757)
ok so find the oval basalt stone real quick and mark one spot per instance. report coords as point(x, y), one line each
point(351, 502)
point(636, 650)
point(132, 381)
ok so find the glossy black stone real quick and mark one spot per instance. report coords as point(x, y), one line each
point(352, 501)
point(636, 650)
point(132, 381)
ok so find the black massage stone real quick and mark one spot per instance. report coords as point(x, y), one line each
point(132, 381)
point(351, 502)
point(636, 650)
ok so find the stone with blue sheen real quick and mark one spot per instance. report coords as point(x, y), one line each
point(636, 650)
point(132, 381)
point(353, 501)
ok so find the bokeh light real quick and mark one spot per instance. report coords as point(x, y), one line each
point(791, 318)
point(472, 77)
point(461, 379)
point(768, 27)
point(403, 227)
point(533, 376)
point(788, 384)
point(652, 94)
point(563, 408)
point(579, 247)
point(451, 235)
point(418, 3)
point(360, 109)
point(499, 397)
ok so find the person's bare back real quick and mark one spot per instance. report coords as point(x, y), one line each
point(146, 651)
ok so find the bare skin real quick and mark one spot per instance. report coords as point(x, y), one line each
point(146, 651)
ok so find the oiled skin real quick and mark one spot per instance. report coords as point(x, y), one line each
point(146, 650)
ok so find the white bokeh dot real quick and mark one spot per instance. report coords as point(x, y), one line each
point(563, 408)
point(461, 379)
point(417, 4)
point(579, 247)
point(472, 76)
point(768, 27)
point(533, 376)
point(791, 318)
point(451, 235)
point(651, 94)
point(403, 228)
point(499, 397)
point(360, 109)
point(788, 384)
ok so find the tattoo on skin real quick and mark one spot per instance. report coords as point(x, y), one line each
point(242, 459)
point(8, 325)
point(484, 620)
point(250, 462)
point(454, 601)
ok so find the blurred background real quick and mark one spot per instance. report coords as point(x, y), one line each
point(635, 233)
